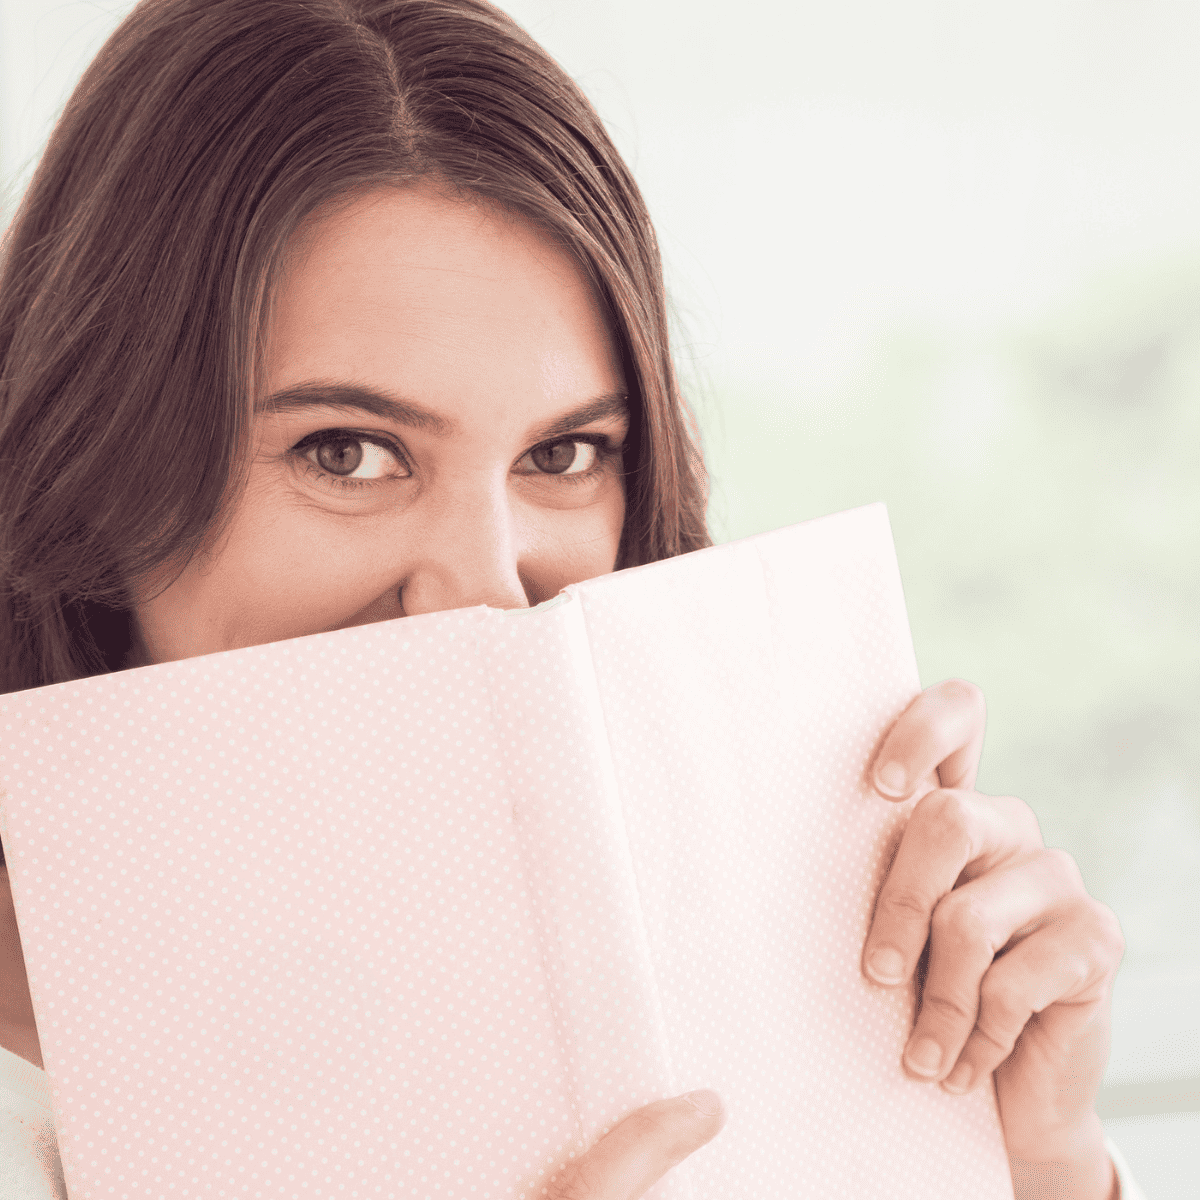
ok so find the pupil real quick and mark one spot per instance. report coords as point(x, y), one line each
point(340, 456)
point(555, 458)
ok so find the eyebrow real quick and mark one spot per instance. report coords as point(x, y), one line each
point(416, 416)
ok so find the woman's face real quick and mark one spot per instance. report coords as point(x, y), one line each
point(448, 411)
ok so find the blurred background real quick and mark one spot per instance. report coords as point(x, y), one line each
point(945, 255)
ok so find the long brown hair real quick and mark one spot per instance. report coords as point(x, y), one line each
point(137, 274)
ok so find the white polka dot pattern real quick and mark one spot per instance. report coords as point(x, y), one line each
point(422, 908)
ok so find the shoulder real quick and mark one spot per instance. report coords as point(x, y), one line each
point(30, 1167)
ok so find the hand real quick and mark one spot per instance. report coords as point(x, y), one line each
point(1020, 958)
point(936, 742)
point(641, 1149)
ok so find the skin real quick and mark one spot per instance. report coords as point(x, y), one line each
point(469, 482)
point(465, 314)
point(1021, 959)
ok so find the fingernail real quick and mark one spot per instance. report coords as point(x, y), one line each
point(959, 1080)
point(886, 965)
point(925, 1057)
point(892, 778)
point(706, 1100)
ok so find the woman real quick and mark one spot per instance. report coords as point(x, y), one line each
point(326, 312)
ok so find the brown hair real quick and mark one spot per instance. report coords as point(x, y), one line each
point(136, 276)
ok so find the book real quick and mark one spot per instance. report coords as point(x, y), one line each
point(423, 908)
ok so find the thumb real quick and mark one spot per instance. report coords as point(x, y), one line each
point(633, 1156)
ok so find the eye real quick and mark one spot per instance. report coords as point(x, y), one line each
point(346, 459)
point(565, 457)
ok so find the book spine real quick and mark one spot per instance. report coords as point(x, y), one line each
point(577, 864)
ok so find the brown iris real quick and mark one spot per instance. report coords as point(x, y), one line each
point(340, 456)
point(554, 458)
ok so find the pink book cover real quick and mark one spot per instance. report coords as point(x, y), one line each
point(423, 908)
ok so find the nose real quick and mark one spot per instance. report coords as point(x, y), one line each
point(466, 552)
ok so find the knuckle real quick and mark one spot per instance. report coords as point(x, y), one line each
point(1064, 865)
point(648, 1124)
point(1021, 821)
point(579, 1181)
point(909, 906)
point(1001, 1006)
point(1000, 1033)
point(943, 817)
point(958, 918)
point(950, 1008)
point(1095, 934)
point(1077, 971)
point(1027, 824)
point(1108, 939)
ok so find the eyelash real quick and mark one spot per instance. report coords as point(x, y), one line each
point(605, 451)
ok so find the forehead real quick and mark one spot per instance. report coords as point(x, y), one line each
point(434, 291)
point(422, 243)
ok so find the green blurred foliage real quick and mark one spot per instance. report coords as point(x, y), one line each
point(1044, 492)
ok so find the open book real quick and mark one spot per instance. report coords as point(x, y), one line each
point(422, 908)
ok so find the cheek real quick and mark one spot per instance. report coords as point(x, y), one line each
point(296, 576)
point(288, 571)
point(573, 545)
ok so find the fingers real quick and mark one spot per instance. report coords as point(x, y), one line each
point(951, 837)
point(1066, 969)
point(939, 736)
point(633, 1156)
point(1021, 904)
